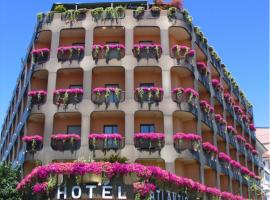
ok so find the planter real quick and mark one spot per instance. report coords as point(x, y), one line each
point(105, 142)
point(187, 95)
point(139, 12)
point(182, 54)
point(33, 143)
point(224, 160)
point(37, 97)
point(40, 56)
point(63, 142)
point(210, 150)
point(155, 11)
point(147, 51)
point(107, 96)
point(149, 95)
point(70, 53)
point(72, 16)
point(108, 52)
point(183, 141)
point(151, 142)
point(64, 97)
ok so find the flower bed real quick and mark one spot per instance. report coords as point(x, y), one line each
point(109, 51)
point(149, 141)
point(147, 51)
point(37, 97)
point(40, 55)
point(210, 149)
point(151, 177)
point(69, 53)
point(183, 141)
point(182, 54)
point(149, 94)
point(107, 96)
point(64, 97)
point(105, 142)
point(188, 95)
point(63, 142)
point(224, 159)
point(34, 143)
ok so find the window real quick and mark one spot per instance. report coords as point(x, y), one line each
point(75, 86)
point(109, 129)
point(146, 42)
point(74, 129)
point(146, 84)
point(147, 128)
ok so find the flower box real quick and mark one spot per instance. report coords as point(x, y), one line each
point(105, 142)
point(235, 167)
point(34, 143)
point(40, 56)
point(207, 111)
point(213, 193)
point(109, 13)
point(149, 94)
point(149, 141)
point(70, 53)
point(182, 54)
point(63, 142)
point(38, 97)
point(108, 52)
point(221, 125)
point(64, 97)
point(107, 96)
point(185, 95)
point(218, 88)
point(224, 160)
point(210, 150)
point(147, 51)
point(183, 141)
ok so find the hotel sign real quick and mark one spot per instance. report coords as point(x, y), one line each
point(112, 192)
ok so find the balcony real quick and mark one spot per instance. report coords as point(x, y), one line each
point(204, 75)
point(149, 131)
point(201, 41)
point(224, 161)
point(218, 89)
point(69, 84)
point(147, 44)
point(108, 86)
point(71, 45)
point(207, 113)
point(215, 59)
point(210, 155)
point(107, 131)
point(42, 46)
point(187, 141)
point(66, 132)
point(38, 91)
point(108, 44)
point(187, 168)
point(221, 126)
point(229, 103)
point(148, 85)
point(235, 169)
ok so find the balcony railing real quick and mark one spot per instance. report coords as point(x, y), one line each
point(184, 141)
point(147, 51)
point(183, 55)
point(40, 55)
point(186, 96)
point(70, 53)
point(149, 95)
point(37, 97)
point(151, 142)
point(207, 113)
point(63, 142)
point(105, 142)
point(108, 52)
point(64, 97)
point(108, 96)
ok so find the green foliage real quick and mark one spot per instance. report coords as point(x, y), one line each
point(60, 8)
point(8, 181)
point(115, 158)
point(40, 16)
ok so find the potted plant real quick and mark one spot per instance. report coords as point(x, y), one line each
point(147, 51)
point(138, 13)
point(59, 8)
point(155, 11)
point(188, 95)
point(97, 13)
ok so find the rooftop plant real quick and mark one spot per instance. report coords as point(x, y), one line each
point(60, 8)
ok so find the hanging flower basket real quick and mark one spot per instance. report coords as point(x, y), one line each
point(70, 53)
point(183, 141)
point(149, 94)
point(34, 143)
point(210, 150)
point(147, 51)
point(107, 96)
point(105, 142)
point(37, 97)
point(40, 56)
point(109, 51)
point(182, 54)
point(149, 141)
point(63, 142)
point(187, 95)
point(224, 159)
point(64, 97)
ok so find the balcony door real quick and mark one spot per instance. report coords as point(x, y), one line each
point(110, 129)
point(112, 98)
point(147, 128)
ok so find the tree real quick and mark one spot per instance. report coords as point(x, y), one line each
point(9, 178)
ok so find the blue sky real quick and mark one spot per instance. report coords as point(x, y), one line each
point(238, 29)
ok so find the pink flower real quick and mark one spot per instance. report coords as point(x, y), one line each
point(40, 51)
point(69, 91)
point(31, 138)
point(224, 157)
point(61, 136)
point(149, 136)
point(150, 89)
point(209, 147)
point(240, 138)
point(252, 127)
point(220, 120)
point(206, 107)
point(40, 188)
point(232, 130)
point(244, 170)
point(227, 195)
point(191, 91)
point(213, 191)
point(186, 136)
point(37, 92)
point(216, 84)
point(235, 164)
point(143, 189)
point(68, 48)
point(255, 152)
point(143, 46)
point(103, 136)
